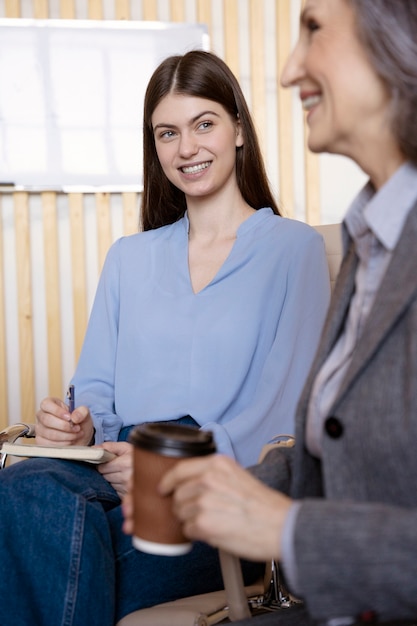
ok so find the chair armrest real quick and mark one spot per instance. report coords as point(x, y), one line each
point(11, 433)
point(284, 441)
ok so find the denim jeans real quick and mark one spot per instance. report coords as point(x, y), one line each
point(65, 560)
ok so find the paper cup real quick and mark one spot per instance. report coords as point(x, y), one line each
point(157, 448)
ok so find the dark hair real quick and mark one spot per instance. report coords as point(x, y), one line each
point(388, 28)
point(203, 75)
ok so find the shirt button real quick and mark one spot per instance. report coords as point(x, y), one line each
point(368, 617)
point(333, 427)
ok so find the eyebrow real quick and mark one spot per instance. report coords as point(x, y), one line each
point(192, 121)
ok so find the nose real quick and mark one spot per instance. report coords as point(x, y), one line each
point(293, 70)
point(188, 144)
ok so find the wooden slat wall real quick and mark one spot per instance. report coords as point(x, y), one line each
point(52, 288)
point(24, 301)
point(32, 383)
point(257, 61)
point(285, 110)
point(3, 361)
point(231, 43)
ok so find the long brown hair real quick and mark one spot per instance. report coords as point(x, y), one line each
point(204, 75)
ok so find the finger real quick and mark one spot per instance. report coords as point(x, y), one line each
point(80, 415)
point(118, 447)
point(53, 406)
point(51, 423)
point(183, 472)
point(54, 436)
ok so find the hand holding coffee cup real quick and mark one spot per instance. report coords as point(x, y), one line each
point(157, 447)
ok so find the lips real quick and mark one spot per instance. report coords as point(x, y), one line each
point(195, 169)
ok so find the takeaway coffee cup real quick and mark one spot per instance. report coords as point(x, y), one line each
point(157, 448)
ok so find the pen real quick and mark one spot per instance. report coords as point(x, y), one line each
point(71, 398)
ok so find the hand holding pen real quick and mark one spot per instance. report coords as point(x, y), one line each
point(71, 407)
point(59, 422)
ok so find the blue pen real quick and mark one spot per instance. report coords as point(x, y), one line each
point(71, 398)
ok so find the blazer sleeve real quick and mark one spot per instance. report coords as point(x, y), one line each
point(357, 557)
point(275, 469)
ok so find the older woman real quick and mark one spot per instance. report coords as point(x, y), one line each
point(346, 528)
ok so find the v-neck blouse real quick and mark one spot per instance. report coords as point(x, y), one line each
point(234, 355)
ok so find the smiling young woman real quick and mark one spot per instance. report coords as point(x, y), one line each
point(210, 316)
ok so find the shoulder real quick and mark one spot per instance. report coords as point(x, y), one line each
point(145, 241)
point(289, 231)
point(297, 229)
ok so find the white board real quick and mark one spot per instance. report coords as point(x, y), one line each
point(71, 98)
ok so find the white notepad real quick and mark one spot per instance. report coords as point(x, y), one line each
point(88, 454)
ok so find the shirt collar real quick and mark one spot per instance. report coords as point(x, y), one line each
point(386, 210)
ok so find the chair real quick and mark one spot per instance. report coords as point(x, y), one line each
point(332, 236)
point(235, 601)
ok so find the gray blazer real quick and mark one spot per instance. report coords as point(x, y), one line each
point(356, 532)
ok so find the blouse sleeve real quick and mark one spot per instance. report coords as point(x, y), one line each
point(94, 375)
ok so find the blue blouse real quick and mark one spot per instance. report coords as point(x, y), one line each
point(234, 356)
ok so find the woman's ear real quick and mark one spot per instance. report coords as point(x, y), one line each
point(239, 133)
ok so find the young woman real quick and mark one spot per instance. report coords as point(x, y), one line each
point(210, 316)
point(346, 528)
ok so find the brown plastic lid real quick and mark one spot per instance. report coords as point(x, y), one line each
point(178, 440)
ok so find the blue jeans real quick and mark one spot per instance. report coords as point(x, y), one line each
point(65, 560)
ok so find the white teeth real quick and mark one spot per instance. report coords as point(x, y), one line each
point(310, 102)
point(195, 168)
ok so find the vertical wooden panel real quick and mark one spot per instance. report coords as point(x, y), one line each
point(285, 109)
point(204, 13)
point(78, 265)
point(52, 300)
point(312, 183)
point(130, 212)
point(12, 8)
point(103, 226)
point(150, 9)
point(3, 358)
point(67, 9)
point(257, 61)
point(24, 306)
point(231, 39)
point(122, 10)
point(177, 10)
point(95, 10)
point(41, 9)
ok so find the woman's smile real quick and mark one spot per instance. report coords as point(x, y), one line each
point(195, 169)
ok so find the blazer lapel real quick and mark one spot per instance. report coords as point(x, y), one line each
point(398, 287)
point(336, 315)
point(307, 470)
